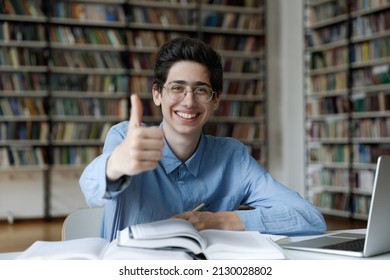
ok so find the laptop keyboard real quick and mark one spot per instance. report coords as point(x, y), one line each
point(355, 245)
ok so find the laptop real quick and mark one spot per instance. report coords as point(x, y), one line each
point(376, 240)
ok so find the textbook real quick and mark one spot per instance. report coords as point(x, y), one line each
point(211, 244)
point(94, 248)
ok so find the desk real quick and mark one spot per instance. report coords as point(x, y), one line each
point(291, 254)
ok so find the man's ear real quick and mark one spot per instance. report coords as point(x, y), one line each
point(216, 102)
point(156, 96)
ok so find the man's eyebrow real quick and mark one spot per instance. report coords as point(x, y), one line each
point(199, 83)
point(183, 82)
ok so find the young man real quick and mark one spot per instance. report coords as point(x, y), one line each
point(151, 173)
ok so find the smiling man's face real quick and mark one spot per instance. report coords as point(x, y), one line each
point(188, 116)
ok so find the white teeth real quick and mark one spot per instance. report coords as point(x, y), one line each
point(186, 116)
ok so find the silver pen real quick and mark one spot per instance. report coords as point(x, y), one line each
point(198, 208)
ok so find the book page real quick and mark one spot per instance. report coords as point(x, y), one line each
point(115, 252)
point(278, 239)
point(165, 229)
point(76, 249)
point(180, 243)
point(223, 244)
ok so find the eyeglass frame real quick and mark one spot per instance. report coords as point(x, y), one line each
point(183, 94)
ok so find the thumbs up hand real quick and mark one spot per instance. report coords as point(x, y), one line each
point(140, 150)
point(136, 111)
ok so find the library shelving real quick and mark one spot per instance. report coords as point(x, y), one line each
point(237, 30)
point(347, 101)
point(69, 67)
point(150, 24)
point(24, 122)
point(88, 82)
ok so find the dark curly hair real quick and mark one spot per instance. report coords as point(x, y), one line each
point(189, 49)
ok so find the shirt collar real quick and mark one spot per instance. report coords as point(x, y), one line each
point(170, 162)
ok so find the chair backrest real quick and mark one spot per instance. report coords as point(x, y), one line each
point(82, 223)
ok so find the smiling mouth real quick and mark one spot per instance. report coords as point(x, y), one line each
point(186, 116)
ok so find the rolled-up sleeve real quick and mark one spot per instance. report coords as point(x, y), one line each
point(287, 220)
point(93, 181)
point(274, 208)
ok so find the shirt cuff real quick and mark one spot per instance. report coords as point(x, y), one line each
point(113, 188)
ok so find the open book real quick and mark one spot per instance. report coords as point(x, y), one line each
point(93, 248)
point(212, 244)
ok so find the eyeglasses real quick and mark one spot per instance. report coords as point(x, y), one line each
point(178, 92)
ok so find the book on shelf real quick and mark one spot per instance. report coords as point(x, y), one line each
point(90, 12)
point(93, 248)
point(34, 9)
point(179, 234)
point(8, 8)
point(381, 74)
point(4, 158)
point(27, 156)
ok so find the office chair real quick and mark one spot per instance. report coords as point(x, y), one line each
point(8, 214)
point(82, 223)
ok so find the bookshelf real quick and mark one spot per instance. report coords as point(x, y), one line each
point(237, 31)
point(68, 68)
point(347, 88)
point(24, 121)
point(151, 23)
point(88, 85)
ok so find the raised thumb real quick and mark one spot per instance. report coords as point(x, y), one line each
point(136, 111)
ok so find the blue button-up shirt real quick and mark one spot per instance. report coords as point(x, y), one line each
point(221, 173)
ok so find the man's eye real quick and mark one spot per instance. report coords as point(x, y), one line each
point(177, 88)
point(202, 91)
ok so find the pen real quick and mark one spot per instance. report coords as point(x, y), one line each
point(199, 207)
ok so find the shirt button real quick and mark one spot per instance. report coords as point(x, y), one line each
point(181, 182)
